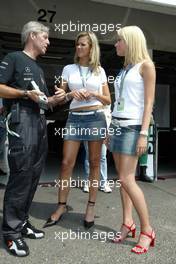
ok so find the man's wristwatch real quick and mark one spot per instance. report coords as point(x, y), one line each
point(25, 94)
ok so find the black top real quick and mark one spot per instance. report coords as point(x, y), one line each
point(18, 70)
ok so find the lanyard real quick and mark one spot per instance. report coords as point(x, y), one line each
point(124, 73)
point(84, 78)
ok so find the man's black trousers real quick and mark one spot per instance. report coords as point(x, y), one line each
point(26, 158)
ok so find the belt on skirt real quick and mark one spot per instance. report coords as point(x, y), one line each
point(124, 122)
point(87, 112)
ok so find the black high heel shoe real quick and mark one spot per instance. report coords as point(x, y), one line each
point(89, 224)
point(50, 221)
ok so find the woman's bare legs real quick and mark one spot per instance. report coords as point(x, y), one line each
point(94, 148)
point(132, 194)
point(127, 205)
point(70, 152)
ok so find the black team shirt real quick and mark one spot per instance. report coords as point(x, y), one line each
point(17, 70)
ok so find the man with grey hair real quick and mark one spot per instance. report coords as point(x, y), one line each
point(23, 85)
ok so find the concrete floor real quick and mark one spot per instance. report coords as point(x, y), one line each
point(97, 248)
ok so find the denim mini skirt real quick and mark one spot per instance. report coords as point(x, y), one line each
point(86, 126)
point(124, 139)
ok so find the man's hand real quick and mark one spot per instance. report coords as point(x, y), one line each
point(59, 94)
point(57, 98)
point(34, 95)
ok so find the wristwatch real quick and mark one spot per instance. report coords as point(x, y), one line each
point(144, 133)
point(25, 94)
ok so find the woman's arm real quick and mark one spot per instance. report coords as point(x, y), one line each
point(105, 97)
point(78, 95)
point(149, 77)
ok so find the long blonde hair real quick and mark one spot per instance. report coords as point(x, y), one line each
point(136, 46)
point(94, 56)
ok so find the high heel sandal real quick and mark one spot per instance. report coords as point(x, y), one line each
point(118, 237)
point(50, 221)
point(138, 249)
point(89, 224)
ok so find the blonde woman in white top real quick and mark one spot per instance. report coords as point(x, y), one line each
point(86, 121)
point(134, 91)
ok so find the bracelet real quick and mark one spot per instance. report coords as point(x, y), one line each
point(144, 133)
point(67, 98)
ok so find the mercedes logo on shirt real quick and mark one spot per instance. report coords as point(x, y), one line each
point(27, 69)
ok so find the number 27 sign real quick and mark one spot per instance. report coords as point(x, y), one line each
point(46, 15)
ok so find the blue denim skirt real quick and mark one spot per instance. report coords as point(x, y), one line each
point(86, 125)
point(125, 140)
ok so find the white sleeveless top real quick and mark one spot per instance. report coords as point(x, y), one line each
point(133, 94)
point(94, 82)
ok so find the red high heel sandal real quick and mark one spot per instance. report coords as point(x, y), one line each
point(138, 249)
point(118, 237)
